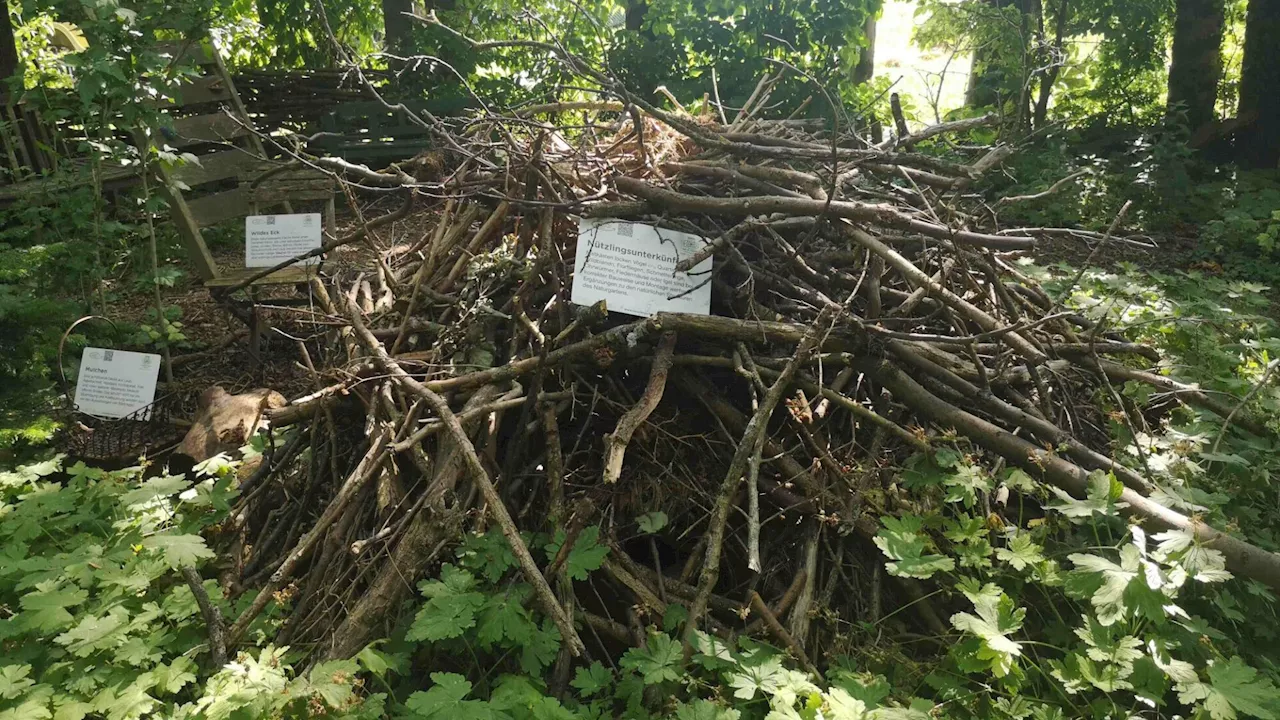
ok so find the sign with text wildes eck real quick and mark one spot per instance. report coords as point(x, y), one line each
point(272, 239)
point(631, 266)
point(116, 383)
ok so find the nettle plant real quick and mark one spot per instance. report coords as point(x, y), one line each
point(97, 621)
point(487, 653)
point(1073, 613)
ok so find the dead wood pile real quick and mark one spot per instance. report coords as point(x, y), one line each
point(866, 307)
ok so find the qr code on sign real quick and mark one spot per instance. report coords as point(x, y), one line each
point(624, 230)
point(107, 355)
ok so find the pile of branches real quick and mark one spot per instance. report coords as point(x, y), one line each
point(866, 307)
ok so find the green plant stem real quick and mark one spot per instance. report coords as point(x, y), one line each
point(155, 266)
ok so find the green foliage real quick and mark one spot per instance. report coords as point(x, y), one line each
point(1100, 61)
point(1245, 234)
point(996, 620)
point(1128, 618)
point(681, 41)
point(64, 252)
point(97, 621)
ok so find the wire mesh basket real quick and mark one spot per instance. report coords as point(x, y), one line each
point(106, 440)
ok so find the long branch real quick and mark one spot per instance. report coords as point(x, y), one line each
point(769, 204)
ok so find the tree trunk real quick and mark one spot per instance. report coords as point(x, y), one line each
point(1052, 66)
point(396, 25)
point(988, 71)
point(1258, 142)
point(8, 48)
point(1197, 60)
point(636, 10)
point(866, 67)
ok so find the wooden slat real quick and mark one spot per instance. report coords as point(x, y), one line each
point(214, 127)
point(287, 276)
point(10, 135)
point(273, 195)
point(296, 174)
point(188, 230)
point(213, 167)
point(14, 118)
point(44, 190)
point(213, 209)
point(211, 88)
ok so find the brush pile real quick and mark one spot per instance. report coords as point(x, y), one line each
point(866, 308)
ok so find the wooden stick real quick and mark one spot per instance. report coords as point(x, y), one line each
point(770, 204)
point(212, 617)
point(616, 443)
point(720, 514)
point(369, 465)
point(779, 632)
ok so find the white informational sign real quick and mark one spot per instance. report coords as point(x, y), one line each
point(271, 239)
point(116, 383)
point(631, 266)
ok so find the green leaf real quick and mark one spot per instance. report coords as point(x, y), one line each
point(1201, 562)
point(843, 706)
point(674, 616)
point(171, 678)
point(47, 610)
point(129, 703)
point(1236, 688)
point(378, 662)
point(446, 700)
point(179, 550)
point(1111, 581)
point(73, 710)
point(965, 483)
point(901, 541)
point(29, 709)
point(974, 554)
point(94, 633)
point(156, 488)
point(451, 608)
point(1100, 498)
point(541, 649)
point(1021, 553)
point(586, 555)
point(921, 471)
point(965, 528)
point(488, 554)
point(591, 680)
point(331, 682)
point(705, 710)
point(659, 660)
point(996, 620)
point(504, 617)
point(756, 679)
point(14, 679)
point(652, 522)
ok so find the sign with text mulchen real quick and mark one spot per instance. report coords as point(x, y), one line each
point(631, 266)
point(116, 383)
